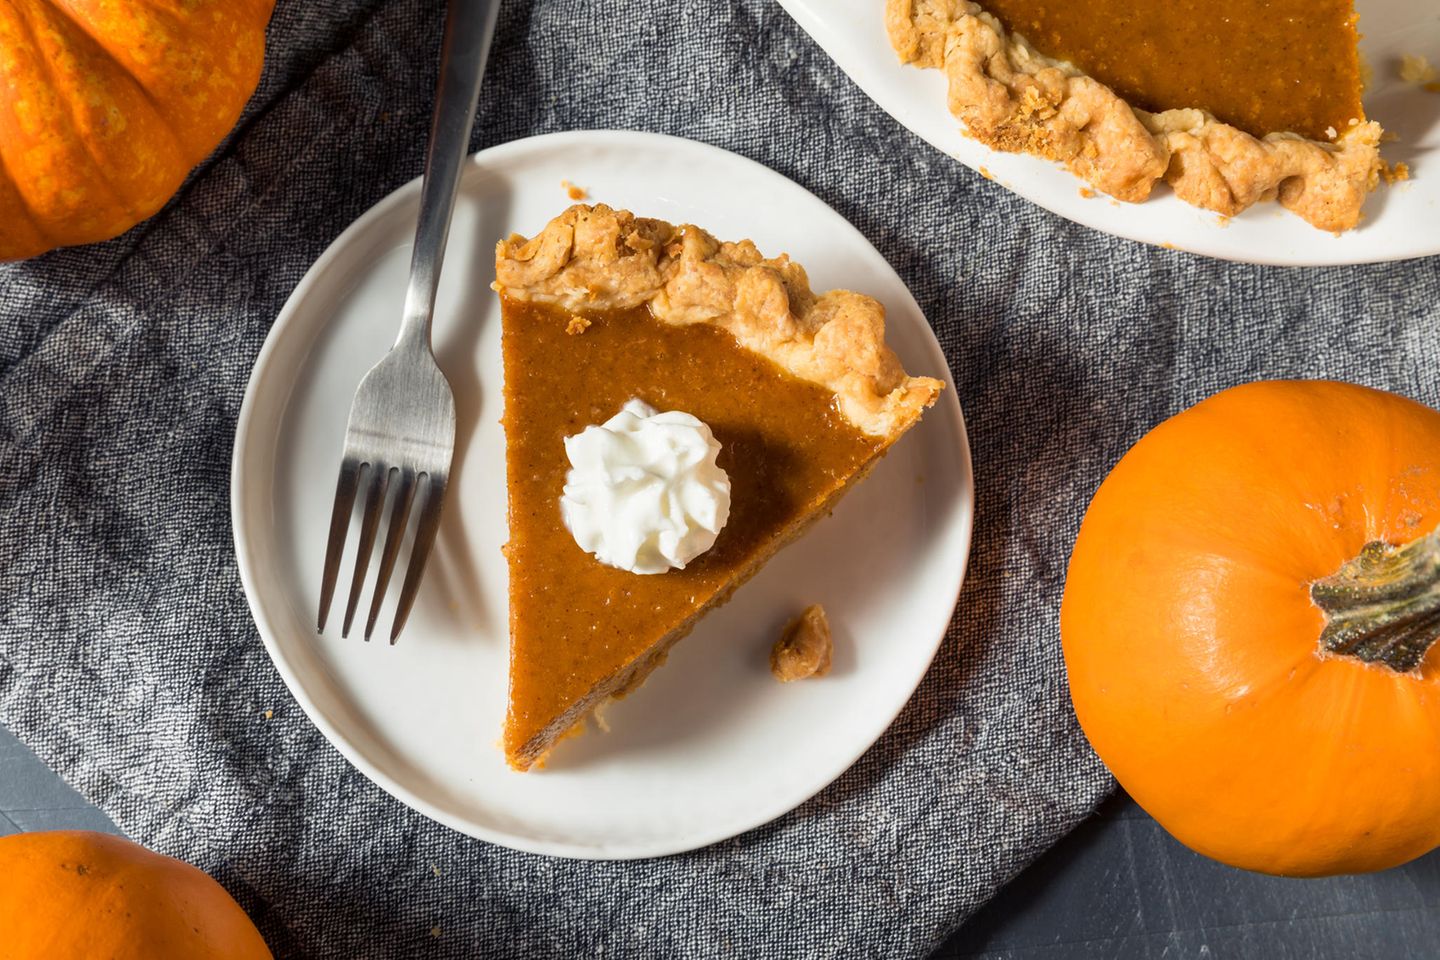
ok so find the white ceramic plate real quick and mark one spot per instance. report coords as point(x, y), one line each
point(711, 745)
point(1401, 221)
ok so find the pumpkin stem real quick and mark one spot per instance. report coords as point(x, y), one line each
point(1384, 605)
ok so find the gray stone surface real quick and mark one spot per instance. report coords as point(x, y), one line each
point(32, 797)
point(1121, 887)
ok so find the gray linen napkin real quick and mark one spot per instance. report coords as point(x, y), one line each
point(128, 660)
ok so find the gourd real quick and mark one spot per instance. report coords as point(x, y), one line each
point(68, 895)
point(106, 105)
point(1249, 621)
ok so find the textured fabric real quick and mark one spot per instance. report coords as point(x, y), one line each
point(128, 659)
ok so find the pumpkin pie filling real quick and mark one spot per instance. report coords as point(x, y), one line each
point(573, 619)
point(1230, 102)
point(800, 390)
point(1264, 66)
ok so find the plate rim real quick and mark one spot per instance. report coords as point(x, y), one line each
point(247, 434)
point(808, 16)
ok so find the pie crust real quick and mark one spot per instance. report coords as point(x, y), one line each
point(597, 258)
point(1013, 98)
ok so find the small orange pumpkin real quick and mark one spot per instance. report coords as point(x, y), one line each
point(74, 895)
point(1248, 624)
point(106, 105)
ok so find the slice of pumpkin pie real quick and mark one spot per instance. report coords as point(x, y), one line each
point(1231, 102)
point(677, 409)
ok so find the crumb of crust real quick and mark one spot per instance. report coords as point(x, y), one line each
point(574, 192)
point(1088, 194)
point(269, 714)
point(1419, 71)
point(577, 324)
point(1395, 172)
point(1167, 245)
point(435, 932)
point(985, 172)
point(804, 648)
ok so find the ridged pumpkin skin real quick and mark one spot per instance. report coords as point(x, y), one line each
point(76, 895)
point(106, 105)
point(1191, 639)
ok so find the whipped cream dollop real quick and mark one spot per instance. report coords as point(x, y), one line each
point(644, 492)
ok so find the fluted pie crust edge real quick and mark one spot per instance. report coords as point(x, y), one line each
point(1013, 98)
point(598, 258)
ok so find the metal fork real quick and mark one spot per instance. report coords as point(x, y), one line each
point(402, 421)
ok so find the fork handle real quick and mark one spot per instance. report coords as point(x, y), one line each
point(469, 26)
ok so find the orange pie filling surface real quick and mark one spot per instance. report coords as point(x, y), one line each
point(1264, 66)
point(786, 448)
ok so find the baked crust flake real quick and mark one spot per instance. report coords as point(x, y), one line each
point(598, 258)
point(1013, 98)
point(805, 647)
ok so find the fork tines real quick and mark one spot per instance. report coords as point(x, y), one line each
point(401, 486)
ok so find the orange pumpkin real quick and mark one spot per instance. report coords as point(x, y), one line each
point(106, 105)
point(1248, 620)
point(75, 895)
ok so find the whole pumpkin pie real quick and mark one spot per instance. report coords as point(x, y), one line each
point(800, 392)
point(1231, 102)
